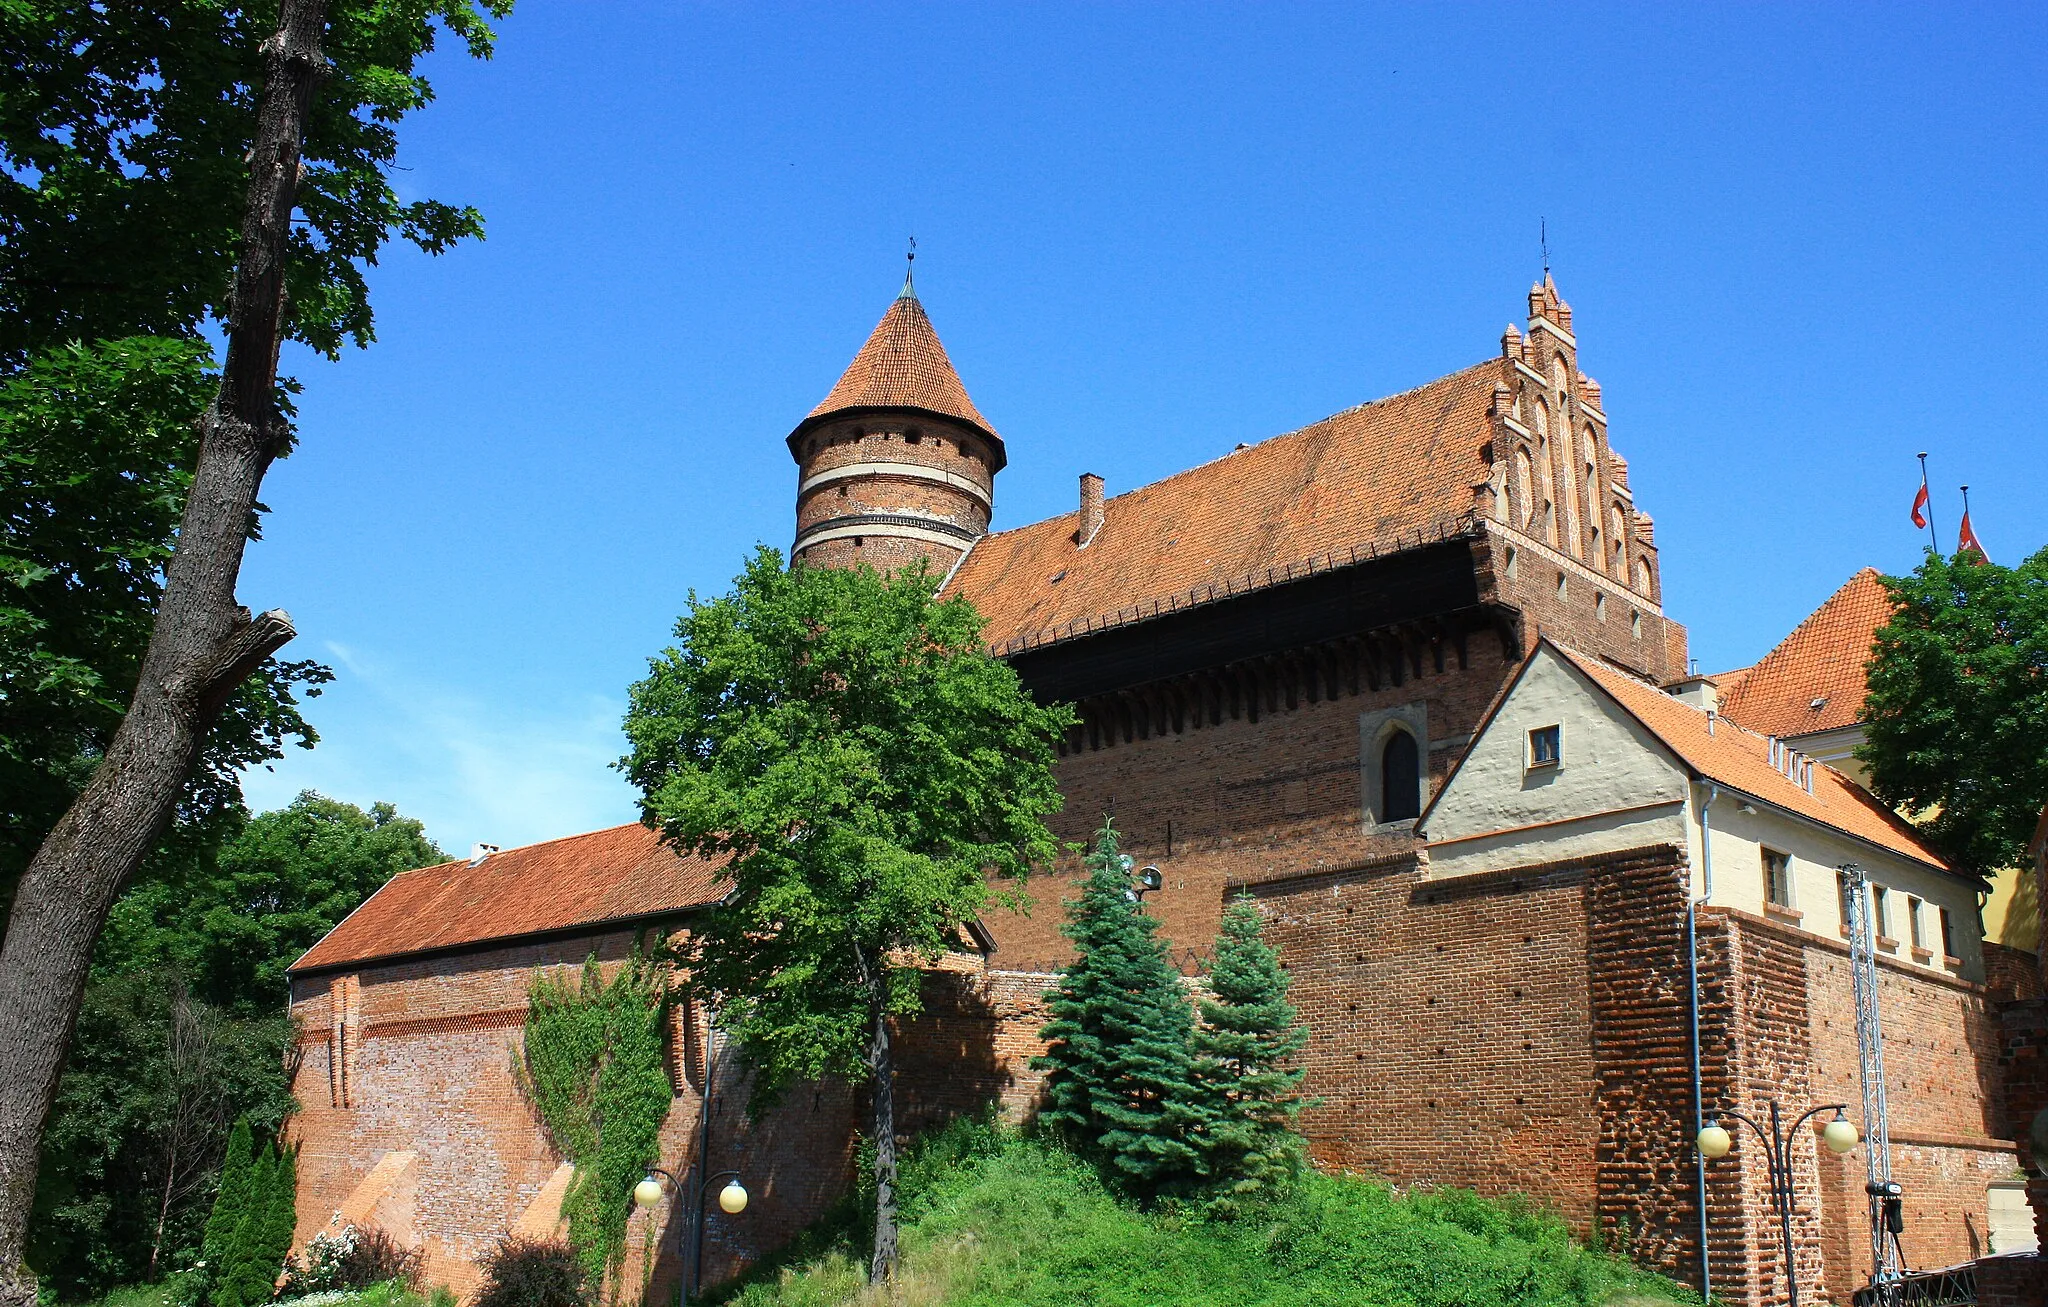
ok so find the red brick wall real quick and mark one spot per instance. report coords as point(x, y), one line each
point(1778, 1023)
point(1214, 805)
point(433, 1075)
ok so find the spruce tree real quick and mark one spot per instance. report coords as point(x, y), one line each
point(273, 1241)
point(1245, 1093)
point(229, 1201)
point(1118, 1088)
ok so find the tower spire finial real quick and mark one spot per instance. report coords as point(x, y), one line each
point(1543, 239)
point(909, 266)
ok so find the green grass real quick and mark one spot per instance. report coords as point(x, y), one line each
point(991, 1220)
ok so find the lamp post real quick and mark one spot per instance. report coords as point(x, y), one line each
point(1839, 1135)
point(732, 1200)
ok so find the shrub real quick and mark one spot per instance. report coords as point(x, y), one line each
point(353, 1259)
point(531, 1273)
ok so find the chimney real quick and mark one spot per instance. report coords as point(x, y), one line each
point(1091, 509)
point(478, 852)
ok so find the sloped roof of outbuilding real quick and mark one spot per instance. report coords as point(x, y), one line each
point(1373, 476)
point(1813, 680)
point(611, 877)
point(1740, 760)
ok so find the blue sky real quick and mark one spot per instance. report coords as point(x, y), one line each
point(1802, 243)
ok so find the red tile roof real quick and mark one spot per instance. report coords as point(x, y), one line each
point(613, 875)
point(1741, 760)
point(1813, 680)
point(903, 365)
point(1372, 475)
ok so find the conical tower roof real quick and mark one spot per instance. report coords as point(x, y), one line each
point(903, 366)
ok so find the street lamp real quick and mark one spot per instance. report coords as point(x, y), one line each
point(1839, 1135)
point(732, 1200)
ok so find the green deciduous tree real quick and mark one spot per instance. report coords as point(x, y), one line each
point(592, 1061)
point(182, 1030)
point(1118, 1085)
point(123, 134)
point(1245, 1089)
point(231, 921)
point(849, 743)
point(95, 459)
point(144, 152)
point(1958, 706)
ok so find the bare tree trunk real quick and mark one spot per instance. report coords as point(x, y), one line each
point(881, 1063)
point(202, 647)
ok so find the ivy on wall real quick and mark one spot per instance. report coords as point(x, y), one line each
point(592, 1063)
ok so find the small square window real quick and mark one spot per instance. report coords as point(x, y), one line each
point(1543, 750)
point(1777, 878)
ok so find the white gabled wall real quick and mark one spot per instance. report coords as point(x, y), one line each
point(1740, 838)
point(1615, 786)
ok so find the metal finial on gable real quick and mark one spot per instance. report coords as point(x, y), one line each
point(909, 266)
point(1543, 238)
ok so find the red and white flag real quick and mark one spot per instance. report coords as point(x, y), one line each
point(1920, 507)
point(1968, 540)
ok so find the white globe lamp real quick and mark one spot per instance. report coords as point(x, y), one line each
point(1714, 1140)
point(1840, 1135)
point(732, 1200)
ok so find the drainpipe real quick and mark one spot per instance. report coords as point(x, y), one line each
point(1692, 978)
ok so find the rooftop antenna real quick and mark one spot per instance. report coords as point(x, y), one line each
point(909, 266)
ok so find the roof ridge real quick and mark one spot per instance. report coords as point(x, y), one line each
point(1247, 447)
point(537, 844)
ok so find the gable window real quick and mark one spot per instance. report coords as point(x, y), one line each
point(1543, 747)
point(1777, 878)
point(1400, 778)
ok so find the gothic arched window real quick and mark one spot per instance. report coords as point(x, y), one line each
point(1400, 778)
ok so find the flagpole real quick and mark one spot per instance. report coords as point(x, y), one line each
point(1933, 537)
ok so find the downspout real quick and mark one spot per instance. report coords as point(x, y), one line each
point(1692, 977)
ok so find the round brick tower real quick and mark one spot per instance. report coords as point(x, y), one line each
point(896, 464)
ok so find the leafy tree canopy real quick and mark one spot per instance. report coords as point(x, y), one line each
point(866, 764)
point(846, 740)
point(1958, 706)
point(123, 129)
point(95, 459)
point(233, 922)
